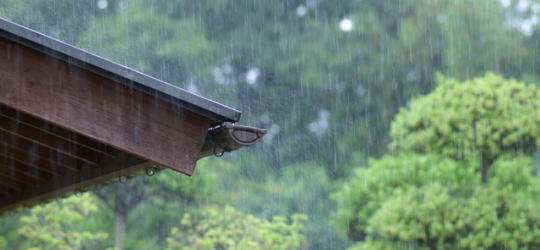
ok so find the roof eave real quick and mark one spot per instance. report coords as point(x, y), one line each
point(215, 111)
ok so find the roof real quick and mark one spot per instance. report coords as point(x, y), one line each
point(119, 73)
point(70, 120)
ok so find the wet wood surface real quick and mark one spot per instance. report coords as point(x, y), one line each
point(63, 128)
point(99, 108)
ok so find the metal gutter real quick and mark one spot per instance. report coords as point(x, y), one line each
point(213, 110)
point(229, 137)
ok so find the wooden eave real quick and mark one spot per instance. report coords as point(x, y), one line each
point(70, 119)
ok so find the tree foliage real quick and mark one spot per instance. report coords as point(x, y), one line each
point(484, 118)
point(436, 198)
point(434, 202)
point(63, 224)
point(139, 38)
point(438, 217)
point(155, 203)
point(302, 189)
point(230, 229)
point(363, 195)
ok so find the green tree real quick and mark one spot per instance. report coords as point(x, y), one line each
point(155, 204)
point(11, 238)
point(302, 189)
point(3, 243)
point(363, 195)
point(469, 27)
point(434, 217)
point(63, 224)
point(432, 202)
point(483, 119)
point(63, 19)
point(136, 36)
point(229, 229)
point(469, 182)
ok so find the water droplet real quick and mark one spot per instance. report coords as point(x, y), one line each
point(151, 171)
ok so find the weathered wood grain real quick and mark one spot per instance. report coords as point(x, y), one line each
point(99, 108)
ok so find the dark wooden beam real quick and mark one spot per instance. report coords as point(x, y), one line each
point(52, 155)
point(5, 192)
point(123, 165)
point(32, 172)
point(99, 108)
point(32, 160)
point(10, 185)
point(52, 141)
point(13, 175)
point(49, 134)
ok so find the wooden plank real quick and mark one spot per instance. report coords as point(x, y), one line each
point(48, 140)
point(32, 160)
point(47, 131)
point(123, 165)
point(5, 192)
point(8, 184)
point(100, 108)
point(40, 159)
point(41, 151)
point(32, 172)
point(13, 175)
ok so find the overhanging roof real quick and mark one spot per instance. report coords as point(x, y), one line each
point(70, 119)
point(119, 73)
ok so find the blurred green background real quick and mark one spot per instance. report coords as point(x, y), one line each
point(341, 165)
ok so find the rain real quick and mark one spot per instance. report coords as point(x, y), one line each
point(379, 124)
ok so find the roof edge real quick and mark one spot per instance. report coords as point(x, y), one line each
point(117, 72)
